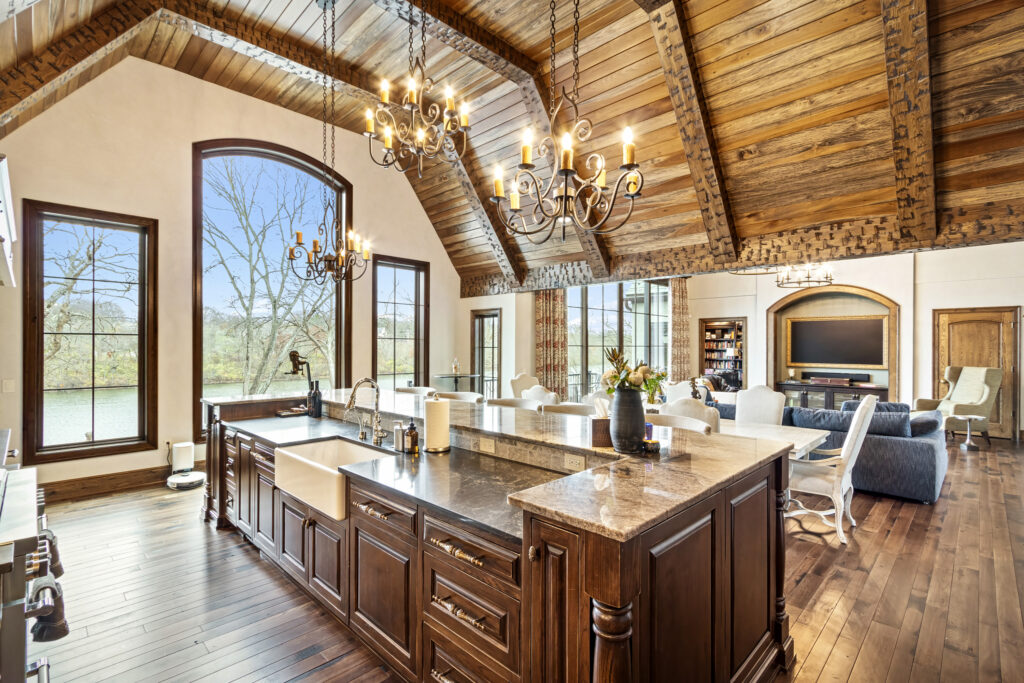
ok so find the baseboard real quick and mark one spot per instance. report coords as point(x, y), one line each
point(102, 484)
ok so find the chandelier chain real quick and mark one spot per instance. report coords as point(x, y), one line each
point(324, 71)
point(333, 95)
point(551, 85)
point(576, 50)
point(411, 59)
point(423, 33)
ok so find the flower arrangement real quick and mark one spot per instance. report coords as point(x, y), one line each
point(621, 376)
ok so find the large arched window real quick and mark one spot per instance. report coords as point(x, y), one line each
point(249, 308)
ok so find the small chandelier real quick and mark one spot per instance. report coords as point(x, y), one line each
point(568, 198)
point(804, 275)
point(422, 131)
point(755, 270)
point(333, 254)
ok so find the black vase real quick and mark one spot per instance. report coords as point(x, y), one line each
point(627, 421)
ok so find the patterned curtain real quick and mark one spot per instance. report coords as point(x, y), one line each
point(552, 357)
point(680, 368)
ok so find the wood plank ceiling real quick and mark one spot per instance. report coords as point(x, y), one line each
point(769, 131)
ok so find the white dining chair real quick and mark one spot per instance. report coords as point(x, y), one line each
point(679, 422)
point(466, 396)
point(677, 390)
point(596, 393)
point(521, 383)
point(419, 391)
point(759, 405)
point(691, 407)
point(832, 477)
point(568, 408)
point(539, 393)
point(521, 403)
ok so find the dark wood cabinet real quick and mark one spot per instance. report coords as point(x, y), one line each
point(292, 548)
point(827, 396)
point(245, 474)
point(263, 500)
point(328, 561)
point(554, 603)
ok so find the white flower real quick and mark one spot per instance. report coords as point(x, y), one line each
point(607, 379)
point(636, 378)
point(645, 371)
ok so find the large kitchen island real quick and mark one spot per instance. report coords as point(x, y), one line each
point(525, 553)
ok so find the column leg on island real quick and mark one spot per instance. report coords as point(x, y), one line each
point(787, 656)
point(613, 647)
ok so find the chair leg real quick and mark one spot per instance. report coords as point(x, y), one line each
point(848, 505)
point(988, 441)
point(837, 504)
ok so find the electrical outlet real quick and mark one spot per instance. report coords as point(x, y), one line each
point(486, 445)
point(575, 463)
point(9, 386)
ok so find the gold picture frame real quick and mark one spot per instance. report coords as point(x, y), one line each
point(885, 342)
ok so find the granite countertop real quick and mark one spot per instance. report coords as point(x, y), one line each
point(288, 431)
point(473, 487)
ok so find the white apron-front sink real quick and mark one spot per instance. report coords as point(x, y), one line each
point(310, 473)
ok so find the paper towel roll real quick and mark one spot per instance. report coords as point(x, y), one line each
point(436, 437)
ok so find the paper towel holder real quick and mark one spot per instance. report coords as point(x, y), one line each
point(436, 449)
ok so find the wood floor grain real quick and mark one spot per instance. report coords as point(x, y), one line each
point(152, 594)
point(920, 593)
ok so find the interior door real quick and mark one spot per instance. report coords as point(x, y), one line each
point(984, 337)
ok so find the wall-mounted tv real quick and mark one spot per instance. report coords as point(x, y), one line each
point(859, 341)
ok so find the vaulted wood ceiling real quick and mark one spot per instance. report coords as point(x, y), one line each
point(769, 131)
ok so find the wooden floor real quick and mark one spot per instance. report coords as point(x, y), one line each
point(152, 594)
point(920, 593)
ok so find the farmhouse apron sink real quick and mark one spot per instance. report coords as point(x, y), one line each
point(310, 473)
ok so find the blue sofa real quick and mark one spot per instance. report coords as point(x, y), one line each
point(901, 457)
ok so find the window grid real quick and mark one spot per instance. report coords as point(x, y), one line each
point(399, 322)
point(486, 336)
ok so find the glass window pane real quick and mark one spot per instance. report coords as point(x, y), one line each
point(117, 308)
point(385, 356)
point(117, 255)
point(405, 356)
point(117, 360)
point(67, 305)
point(405, 321)
point(385, 283)
point(574, 296)
point(67, 247)
point(405, 285)
point(67, 361)
point(117, 414)
point(67, 417)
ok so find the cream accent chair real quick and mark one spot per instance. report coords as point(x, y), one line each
point(521, 383)
point(759, 405)
point(539, 393)
point(465, 396)
point(568, 408)
point(677, 390)
point(678, 422)
point(691, 407)
point(521, 403)
point(972, 391)
point(419, 391)
point(832, 476)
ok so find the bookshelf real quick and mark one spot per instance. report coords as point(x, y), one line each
point(723, 346)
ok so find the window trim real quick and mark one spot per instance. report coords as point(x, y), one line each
point(420, 377)
point(343, 295)
point(474, 316)
point(32, 389)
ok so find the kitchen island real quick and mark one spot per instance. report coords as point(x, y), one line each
point(500, 562)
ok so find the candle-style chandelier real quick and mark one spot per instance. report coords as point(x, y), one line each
point(584, 200)
point(334, 254)
point(804, 275)
point(422, 131)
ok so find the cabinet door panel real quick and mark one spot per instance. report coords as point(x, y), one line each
point(245, 485)
point(263, 519)
point(385, 571)
point(292, 548)
point(554, 603)
point(328, 564)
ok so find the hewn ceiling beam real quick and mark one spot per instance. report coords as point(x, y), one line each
point(908, 75)
point(14, 7)
point(670, 34)
point(462, 35)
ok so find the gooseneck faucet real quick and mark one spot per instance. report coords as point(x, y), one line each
point(378, 431)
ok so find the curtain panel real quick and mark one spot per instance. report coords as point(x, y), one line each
point(680, 366)
point(552, 353)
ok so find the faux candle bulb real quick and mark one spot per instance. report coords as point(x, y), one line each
point(309, 256)
point(464, 115)
point(351, 239)
point(449, 99)
point(632, 183)
point(499, 182)
point(420, 136)
point(291, 253)
point(385, 94)
point(513, 200)
point(628, 148)
point(527, 151)
point(411, 91)
point(316, 246)
point(298, 237)
point(369, 121)
point(566, 152)
point(387, 137)
point(602, 179)
point(366, 251)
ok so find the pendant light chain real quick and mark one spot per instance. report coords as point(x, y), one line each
point(334, 101)
point(412, 65)
point(324, 192)
point(423, 33)
point(576, 51)
point(551, 85)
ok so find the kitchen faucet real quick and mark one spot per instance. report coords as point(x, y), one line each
point(378, 431)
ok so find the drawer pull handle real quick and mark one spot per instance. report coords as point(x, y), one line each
point(368, 509)
point(263, 459)
point(447, 605)
point(532, 553)
point(457, 552)
point(441, 677)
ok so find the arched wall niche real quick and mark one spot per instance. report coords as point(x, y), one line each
point(804, 298)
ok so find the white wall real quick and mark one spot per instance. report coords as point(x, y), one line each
point(990, 275)
point(517, 340)
point(123, 143)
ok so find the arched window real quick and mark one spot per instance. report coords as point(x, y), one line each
point(249, 308)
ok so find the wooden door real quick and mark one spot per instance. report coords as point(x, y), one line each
point(245, 474)
point(292, 540)
point(983, 337)
point(554, 603)
point(328, 561)
point(263, 512)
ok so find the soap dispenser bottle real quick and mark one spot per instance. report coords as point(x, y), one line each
point(411, 441)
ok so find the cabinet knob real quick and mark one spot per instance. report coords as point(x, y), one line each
point(533, 553)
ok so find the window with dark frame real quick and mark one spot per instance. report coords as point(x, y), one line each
point(485, 337)
point(90, 333)
point(631, 316)
point(401, 320)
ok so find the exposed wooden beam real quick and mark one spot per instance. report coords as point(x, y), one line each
point(462, 35)
point(14, 7)
point(908, 76)
point(670, 34)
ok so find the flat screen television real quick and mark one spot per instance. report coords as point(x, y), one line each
point(838, 342)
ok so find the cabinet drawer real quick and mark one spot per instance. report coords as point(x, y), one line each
point(231, 499)
point(264, 449)
point(471, 553)
point(481, 615)
point(264, 465)
point(444, 661)
point(392, 515)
